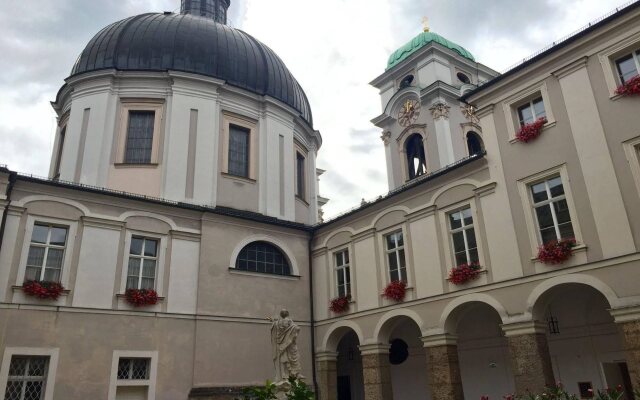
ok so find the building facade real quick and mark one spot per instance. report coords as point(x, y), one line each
point(184, 163)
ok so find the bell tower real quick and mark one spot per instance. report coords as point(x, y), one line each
point(213, 9)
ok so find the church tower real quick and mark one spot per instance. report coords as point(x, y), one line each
point(424, 125)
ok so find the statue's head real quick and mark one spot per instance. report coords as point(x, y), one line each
point(284, 313)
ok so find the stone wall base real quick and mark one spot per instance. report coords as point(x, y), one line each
point(443, 372)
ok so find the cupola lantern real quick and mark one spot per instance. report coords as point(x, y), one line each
point(213, 9)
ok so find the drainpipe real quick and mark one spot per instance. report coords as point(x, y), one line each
point(313, 322)
point(12, 180)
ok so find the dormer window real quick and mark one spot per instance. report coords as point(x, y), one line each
point(416, 159)
point(406, 81)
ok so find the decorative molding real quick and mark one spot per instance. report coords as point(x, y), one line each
point(571, 67)
point(469, 113)
point(440, 110)
point(422, 213)
point(485, 190)
point(626, 314)
point(386, 137)
point(182, 235)
point(326, 356)
point(374, 348)
point(442, 339)
point(524, 328)
point(15, 211)
point(484, 111)
point(102, 223)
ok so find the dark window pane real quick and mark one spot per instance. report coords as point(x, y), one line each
point(626, 68)
point(263, 257)
point(548, 234)
point(525, 114)
point(238, 151)
point(394, 275)
point(545, 219)
point(458, 242)
point(150, 248)
point(473, 255)
point(58, 236)
point(538, 108)
point(562, 211)
point(136, 246)
point(399, 239)
point(539, 192)
point(139, 137)
point(393, 261)
point(466, 215)
point(471, 238)
point(340, 277)
point(566, 231)
point(401, 258)
point(461, 258)
point(455, 219)
point(391, 244)
point(39, 234)
point(555, 187)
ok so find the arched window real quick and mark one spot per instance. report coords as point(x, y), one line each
point(474, 143)
point(263, 257)
point(406, 81)
point(416, 160)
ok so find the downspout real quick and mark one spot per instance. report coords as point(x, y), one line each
point(12, 180)
point(313, 320)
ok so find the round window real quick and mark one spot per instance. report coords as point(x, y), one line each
point(463, 78)
point(399, 352)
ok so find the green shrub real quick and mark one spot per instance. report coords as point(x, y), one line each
point(266, 392)
point(298, 390)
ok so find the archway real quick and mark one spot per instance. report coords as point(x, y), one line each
point(586, 349)
point(350, 381)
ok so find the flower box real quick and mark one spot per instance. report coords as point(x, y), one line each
point(141, 297)
point(395, 291)
point(464, 273)
point(43, 289)
point(340, 304)
point(556, 251)
point(630, 87)
point(530, 131)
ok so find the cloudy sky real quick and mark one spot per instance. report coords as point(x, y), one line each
point(333, 47)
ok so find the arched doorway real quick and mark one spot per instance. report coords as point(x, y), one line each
point(350, 382)
point(339, 365)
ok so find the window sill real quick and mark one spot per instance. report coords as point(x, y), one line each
point(135, 165)
point(301, 200)
point(236, 271)
point(482, 271)
point(578, 249)
point(238, 178)
point(133, 382)
point(123, 296)
point(407, 289)
point(64, 293)
point(548, 125)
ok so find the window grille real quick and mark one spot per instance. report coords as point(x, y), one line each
point(27, 378)
point(143, 260)
point(46, 253)
point(343, 273)
point(133, 368)
point(140, 137)
point(238, 151)
point(551, 209)
point(463, 237)
point(395, 257)
point(531, 111)
point(263, 257)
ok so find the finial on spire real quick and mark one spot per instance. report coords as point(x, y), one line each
point(425, 24)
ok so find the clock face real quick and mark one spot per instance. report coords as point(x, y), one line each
point(409, 112)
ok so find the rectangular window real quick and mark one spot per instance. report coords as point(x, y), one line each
point(27, 378)
point(463, 237)
point(551, 210)
point(139, 144)
point(46, 253)
point(56, 171)
point(531, 111)
point(134, 368)
point(628, 66)
point(343, 273)
point(300, 186)
point(395, 257)
point(239, 151)
point(143, 261)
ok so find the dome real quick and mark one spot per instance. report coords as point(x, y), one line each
point(187, 43)
point(420, 41)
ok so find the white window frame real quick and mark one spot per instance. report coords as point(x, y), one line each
point(160, 265)
point(533, 110)
point(608, 57)
point(52, 368)
point(125, 106)
point(229, 119)
point(396, 250)
point(550, 200)
point(519, 97)
point(635, 55)
point(632, 151)
point(463, 229)
point(344, 269)
point(445, 230)
point(68, 254)
point(150, 383)
point(529, 212)
point(142, 257)
point(48, 246)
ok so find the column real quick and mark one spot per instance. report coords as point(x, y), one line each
point(530, 359)
point(327, 375)
point(628, 321)
point(443, 367)
point(376, 371)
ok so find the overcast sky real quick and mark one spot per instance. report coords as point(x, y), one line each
point(333, 47)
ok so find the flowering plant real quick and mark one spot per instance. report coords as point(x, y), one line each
point(464, 273)
point(395, 290)
point(43, 289)
point(630, 87)
point(340, 304)
point(556, 251)
point(141, 297)
point(530, 131)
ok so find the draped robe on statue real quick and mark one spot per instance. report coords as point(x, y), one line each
point(285, 349)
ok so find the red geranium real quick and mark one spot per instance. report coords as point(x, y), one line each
point(556, 251)
point(396, 290)
point(43, 289)
point(340, 304)
point(630, 87)
point(530, 131)
point(141, 297)
point(464, 273)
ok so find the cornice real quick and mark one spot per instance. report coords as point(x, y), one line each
point(102, 223)
point(571, 67)
point(485, 189)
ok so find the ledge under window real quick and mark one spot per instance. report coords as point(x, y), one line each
point(263, 274)
point(238, 177)
point(135, 165)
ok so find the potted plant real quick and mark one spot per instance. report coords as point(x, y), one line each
point(396, 290)
point(43, 289)
point(141, 297)
point(556, 251)
point(340, 304)
point(464, 273)
point(530, 131)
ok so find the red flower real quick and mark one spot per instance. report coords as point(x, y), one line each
point(141, 297)
point(43, 289)
point(464, 273)
point(556, 251)
point(630, 87)
point(530, 131)
point(395, 290)
point(340, 304)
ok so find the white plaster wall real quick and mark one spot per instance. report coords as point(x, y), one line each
point(366, 274)
point(485, 369)
point(426, 256)
point(386, 95)
point(321, 271)
point(444, 139)
point(8, 250)
point(177, 148)
point(72, 140)
point(427, 74)
point(183, 276)
point(96, 275)
point(93, 150)
point(409, 379)
point(273, 127)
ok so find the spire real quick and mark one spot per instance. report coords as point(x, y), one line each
point(213, 9)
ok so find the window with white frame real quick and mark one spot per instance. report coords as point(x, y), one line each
point(628, 66)
point(27, 378)
point(395, 257)
point(46, 252)
point(463, 237)
point(551, 210)
point(143, 263)
point(531, 111)
point(343, 273)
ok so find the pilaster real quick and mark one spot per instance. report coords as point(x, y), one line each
point(628, 321)
point(443, 367)
point(376, 372)
point(327, 375)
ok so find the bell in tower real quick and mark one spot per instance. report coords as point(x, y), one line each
point(214, 9)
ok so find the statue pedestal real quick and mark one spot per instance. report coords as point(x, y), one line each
point(282, 388)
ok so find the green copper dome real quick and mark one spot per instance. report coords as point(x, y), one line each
point(420, 41)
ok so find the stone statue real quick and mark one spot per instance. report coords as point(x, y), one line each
point(285, 349)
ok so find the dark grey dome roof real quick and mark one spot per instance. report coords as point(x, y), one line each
point(179, 42)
